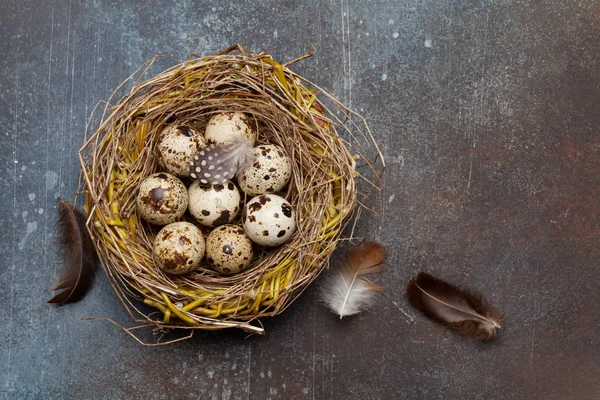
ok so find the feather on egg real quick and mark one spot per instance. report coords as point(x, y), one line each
point(218, 163)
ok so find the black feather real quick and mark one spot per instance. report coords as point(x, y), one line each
point(79, 252)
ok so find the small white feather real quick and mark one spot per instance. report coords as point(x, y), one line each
point(346, 291)
point(347, 295)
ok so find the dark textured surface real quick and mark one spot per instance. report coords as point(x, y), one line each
point(489, 117)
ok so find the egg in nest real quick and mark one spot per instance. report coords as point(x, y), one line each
point(269, 173)
point(228, 249)
point(269, 220)
point(178, 248)
point(222, 128)
point(162, 199)
point(176, 148)
point(214, 205)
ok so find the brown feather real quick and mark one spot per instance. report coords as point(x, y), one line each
point(80, 255)
point(346, 291)
point(366, 258)
point(461, 310)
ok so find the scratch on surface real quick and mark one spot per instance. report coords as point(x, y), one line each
point(71, 105)
point(48, 100)
point(535, 317)
point(410, 317)
point(346, 51)
point(12, 267)
point(323, 363)
point(482, 98)
point(532, 346)
point(471, 167)
point(248, 370)
point(331, 375)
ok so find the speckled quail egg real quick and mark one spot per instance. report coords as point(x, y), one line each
point(228, 249)
point(178, 248)
point(269, 220)
point(162, 199)
point(223, 127)
point(271, 171)
point(214, 205)
point(176, 148)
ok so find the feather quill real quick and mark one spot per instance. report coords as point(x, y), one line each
point(80, 255)
point(218, 163)
point(346, 291)
point(461, 310)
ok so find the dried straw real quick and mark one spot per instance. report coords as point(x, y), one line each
point(120, 154)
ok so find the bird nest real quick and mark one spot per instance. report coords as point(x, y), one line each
point(330, 148)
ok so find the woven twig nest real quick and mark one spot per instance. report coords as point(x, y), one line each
point(324, 145)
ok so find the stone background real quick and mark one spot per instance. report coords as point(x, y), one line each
point(488, 114)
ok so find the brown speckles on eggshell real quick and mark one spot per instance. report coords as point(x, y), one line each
point(173, 262)
point(255, 206)
point(186, 131)
point(223, 218)
point(287, 210)
point(264, 199)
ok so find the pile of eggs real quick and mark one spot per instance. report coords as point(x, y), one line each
point(163, 199)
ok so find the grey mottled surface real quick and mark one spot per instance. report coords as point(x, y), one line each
point(489, 116)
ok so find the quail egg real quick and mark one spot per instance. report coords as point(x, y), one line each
point(214, 205)
point(228, 249)
point(223, 127)
point(271, 171)
point(269, 220)
point(177, 147)
point(178, 248)
point(162, 199)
